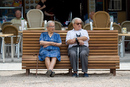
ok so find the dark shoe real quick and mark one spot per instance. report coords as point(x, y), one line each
point(86, 75)
point(52, 74)
point(74, 75)
point(48, 73)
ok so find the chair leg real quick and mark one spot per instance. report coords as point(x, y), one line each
point(21, 44)
point(1, 47)
point(121, 50)
point(8, 50)
point(18, 50)
point(5, 51)
point(14, 49)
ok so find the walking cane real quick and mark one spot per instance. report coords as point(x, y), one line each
point(77, 60)
point(77, 55)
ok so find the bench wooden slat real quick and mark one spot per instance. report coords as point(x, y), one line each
point(103, 42)
point(90, 65)
point(101, 45)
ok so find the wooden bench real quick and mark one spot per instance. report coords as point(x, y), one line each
point(103, 45)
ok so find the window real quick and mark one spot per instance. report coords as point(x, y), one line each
point(115, 5)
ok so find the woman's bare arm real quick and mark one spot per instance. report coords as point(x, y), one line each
point(46, 43)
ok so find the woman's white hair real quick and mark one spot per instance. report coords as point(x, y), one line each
point(73, 21)
point(48, 23)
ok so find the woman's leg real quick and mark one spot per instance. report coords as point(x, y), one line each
point(47, 62)
point(53, 62)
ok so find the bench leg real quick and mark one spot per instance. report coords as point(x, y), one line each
point(113, 71)
point(70, 72)
point(27, 72)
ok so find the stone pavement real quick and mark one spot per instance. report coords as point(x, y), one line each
point(100, 78)
point(12, 75)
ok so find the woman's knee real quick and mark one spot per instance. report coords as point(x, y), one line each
point(54, 58)
point(47, 58)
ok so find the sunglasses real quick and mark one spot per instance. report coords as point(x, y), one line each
point(51, 26)
point(78, 23)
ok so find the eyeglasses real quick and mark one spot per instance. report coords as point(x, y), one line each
point(78, 23)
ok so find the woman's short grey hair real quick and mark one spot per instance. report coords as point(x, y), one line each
point(48, 23)
point(73, 21)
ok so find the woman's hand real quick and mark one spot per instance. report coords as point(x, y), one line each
point(45, 46)
point(48, 44)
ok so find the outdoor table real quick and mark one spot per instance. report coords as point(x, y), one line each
point(36, 28)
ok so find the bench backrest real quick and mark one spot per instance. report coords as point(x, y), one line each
point(102, 42)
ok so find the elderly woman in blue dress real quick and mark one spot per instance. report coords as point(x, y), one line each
point(49, 50)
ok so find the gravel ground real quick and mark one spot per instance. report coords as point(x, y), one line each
point(97, 78)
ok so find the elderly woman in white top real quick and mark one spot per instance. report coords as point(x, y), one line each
point(78, 37)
